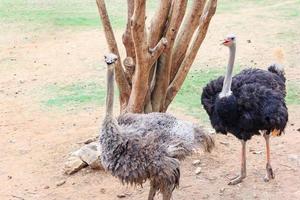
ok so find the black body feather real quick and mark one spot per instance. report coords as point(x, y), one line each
point(257, 103)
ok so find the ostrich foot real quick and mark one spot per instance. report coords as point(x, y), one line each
point(237, 180)
point(270, 174)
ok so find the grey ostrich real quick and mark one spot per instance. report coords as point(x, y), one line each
point(140, 147)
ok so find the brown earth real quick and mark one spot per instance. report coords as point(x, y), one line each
point(36, 140)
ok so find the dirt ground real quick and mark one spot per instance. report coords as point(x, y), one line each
point(36, 140)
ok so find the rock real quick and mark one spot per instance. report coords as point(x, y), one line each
point(255, 151)
point(121, 195)
point(46, 187)
point(60, 183)
point(102, 190)
point(298, 129)
point(249, 41)
point(198, 170)
point(90, 140)
point(221, 191)
point(224, 143)
point(196, 162)
point(73, 165)
point(90, 154)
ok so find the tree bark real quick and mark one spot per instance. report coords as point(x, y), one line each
point(113, 47)
point(165, 61)
point(158, 60)
point(192, 51)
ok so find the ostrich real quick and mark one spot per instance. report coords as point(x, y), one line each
point(140, 147)
point(250, 102)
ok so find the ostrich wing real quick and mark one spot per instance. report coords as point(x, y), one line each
point(262, 107)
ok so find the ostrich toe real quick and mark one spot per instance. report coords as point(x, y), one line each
point(237, 180)
point(270, 174)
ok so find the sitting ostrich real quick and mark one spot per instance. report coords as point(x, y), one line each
point(250, 102)
point(137, 147)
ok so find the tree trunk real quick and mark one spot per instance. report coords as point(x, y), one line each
point(158, 59)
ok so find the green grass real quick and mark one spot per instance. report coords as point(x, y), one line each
point(188, 98)
point(293, 93)
point(74, 13)
point(74, 95)
point(83, 13)
point(289, 11)
point(79, 94)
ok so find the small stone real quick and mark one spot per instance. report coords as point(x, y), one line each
point(225, 143)
point(196, 162)
point(121, 195)
point(9, 177)
point(257, 152)
point(198, 170)
point(60, 183)
point(298, 129)
point(73, 165)
point(46, 187)
point(249, 41)
point(102, 190)
point(90, 140)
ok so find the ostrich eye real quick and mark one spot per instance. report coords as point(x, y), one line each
point(232, 38)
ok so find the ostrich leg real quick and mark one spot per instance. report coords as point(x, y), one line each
point(167, 195)
point(240, 177)
point(167, 192)
point(270, 174)
point(152, 191)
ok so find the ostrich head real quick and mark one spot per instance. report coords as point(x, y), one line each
point(229, 40)
point(110, 58)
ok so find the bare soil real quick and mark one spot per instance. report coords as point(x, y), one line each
point(36, 140)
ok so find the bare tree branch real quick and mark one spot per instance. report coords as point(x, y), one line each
point(112, 45)
point(165, 61)
point(158, 22)
point(127, 39)
point(192, 51)
point(141, 75)
point(187, 29)
point(157, 50)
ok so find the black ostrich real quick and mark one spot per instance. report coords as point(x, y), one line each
point(250, 102)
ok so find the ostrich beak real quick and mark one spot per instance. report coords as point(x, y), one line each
point(225, 41)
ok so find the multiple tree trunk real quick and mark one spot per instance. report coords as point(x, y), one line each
point(158, 58)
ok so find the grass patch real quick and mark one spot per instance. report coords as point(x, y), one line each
point(72, 13)
point(189, 95)
point(78, 13)
point(289, 11)
point(293, 93)
point(74, 95)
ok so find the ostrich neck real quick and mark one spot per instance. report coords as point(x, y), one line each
point(110, 91)
point(226, 90)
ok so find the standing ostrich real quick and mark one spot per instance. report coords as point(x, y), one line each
point(137, 147)
point(250, 102)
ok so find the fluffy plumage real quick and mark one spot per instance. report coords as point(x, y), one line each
point(257, 103)
point(137, 147)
